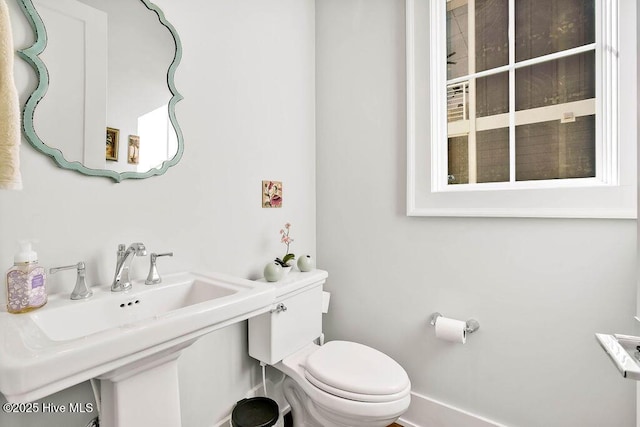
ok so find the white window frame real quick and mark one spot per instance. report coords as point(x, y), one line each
point(612, 194)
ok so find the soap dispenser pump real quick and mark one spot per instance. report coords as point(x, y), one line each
point(26, 281)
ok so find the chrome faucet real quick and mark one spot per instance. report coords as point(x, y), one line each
point(121, 280)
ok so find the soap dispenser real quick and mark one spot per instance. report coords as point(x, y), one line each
point(26, 281)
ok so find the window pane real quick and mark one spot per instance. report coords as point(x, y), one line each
point(458, 160)
point(492, 95)
point(554, 150)
point(548, 26)
point(492, 36)
point(457, 39)
point(556, 82)
point(492, 148)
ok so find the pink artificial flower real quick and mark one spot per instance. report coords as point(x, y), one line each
point(284, 238)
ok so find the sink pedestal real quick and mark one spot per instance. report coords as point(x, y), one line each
point(144, 393)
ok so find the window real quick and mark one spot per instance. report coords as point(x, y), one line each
point(514, 108)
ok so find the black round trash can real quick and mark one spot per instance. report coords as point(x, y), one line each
point(255, 412)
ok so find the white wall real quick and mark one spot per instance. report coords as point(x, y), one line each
point(539, 288)
point(247, 76)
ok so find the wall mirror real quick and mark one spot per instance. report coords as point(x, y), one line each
point(105, 100)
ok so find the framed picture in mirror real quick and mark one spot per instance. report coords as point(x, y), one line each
point(112, 144)
point(133, 150)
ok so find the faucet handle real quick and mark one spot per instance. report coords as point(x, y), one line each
point(154, 278)
point(81, 290)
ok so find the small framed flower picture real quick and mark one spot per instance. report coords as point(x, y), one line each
point(112, 144)
point(271, 194)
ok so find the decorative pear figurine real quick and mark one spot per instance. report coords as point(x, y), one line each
point(273, 272)
point(306, 263)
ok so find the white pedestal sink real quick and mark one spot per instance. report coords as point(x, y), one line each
point(129, 340)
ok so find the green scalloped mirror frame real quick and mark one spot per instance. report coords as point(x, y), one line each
point(31, 56)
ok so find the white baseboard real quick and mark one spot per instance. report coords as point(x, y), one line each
point(427, 412)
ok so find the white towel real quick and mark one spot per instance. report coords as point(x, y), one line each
point(10, 178)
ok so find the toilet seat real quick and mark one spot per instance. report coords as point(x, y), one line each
point(356, 372)
point(358, 397)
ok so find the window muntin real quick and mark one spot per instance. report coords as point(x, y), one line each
point(504, 98)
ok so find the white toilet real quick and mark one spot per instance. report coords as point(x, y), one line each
point(339, 384)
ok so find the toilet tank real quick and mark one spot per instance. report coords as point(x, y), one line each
point(298, 321)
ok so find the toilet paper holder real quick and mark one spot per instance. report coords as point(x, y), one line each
point(472, 324)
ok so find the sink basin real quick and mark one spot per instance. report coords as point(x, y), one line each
point(108, 310)
point(67, 342)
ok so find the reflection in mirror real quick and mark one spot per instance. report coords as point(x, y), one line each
point(106, 97)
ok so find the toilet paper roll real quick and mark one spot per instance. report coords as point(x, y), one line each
point(451, 330)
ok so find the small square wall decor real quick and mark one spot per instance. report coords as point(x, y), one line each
point(271, 194)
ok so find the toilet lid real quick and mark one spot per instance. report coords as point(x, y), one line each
point(357, 372)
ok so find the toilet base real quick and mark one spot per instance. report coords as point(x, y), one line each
point(306, 413)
